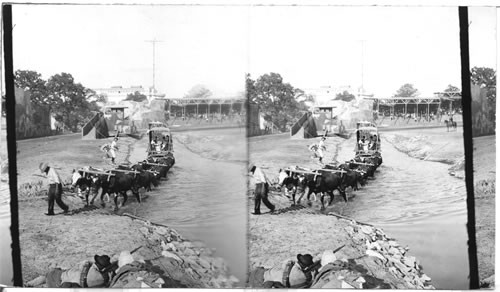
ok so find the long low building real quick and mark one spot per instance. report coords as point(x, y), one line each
point(115, 94)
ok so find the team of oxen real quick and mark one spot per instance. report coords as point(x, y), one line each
point(124, 178)
point(327, 180)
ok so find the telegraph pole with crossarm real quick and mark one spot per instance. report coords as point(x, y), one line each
point(154, 41)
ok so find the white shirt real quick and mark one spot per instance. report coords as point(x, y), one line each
point(113, 145)
point(321, 147)
point(155, 145)
point(53, 176)
point(259, 176)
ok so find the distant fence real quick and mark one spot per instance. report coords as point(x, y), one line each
point(400, 121)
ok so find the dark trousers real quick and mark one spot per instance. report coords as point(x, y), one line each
point(261, 190)
point(55, 193)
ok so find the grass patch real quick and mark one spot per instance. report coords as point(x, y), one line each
point(31, 189)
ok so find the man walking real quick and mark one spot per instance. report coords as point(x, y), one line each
point(55, 188)
point(321, 149)
point(261, 189)
point(112, 150)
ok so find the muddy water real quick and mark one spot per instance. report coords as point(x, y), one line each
point(422, 206)
point(204, 199)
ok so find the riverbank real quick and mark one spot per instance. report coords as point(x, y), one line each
point(64, 240)
point(434, 144)
point(274, 238)
point(212, 145)
point(442, 146)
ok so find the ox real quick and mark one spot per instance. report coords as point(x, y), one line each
point(290, 181)
point(119, 183)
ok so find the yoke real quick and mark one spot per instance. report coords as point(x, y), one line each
point(96, 172)
point(154, 164)
point(360, 163)
point(334, 170)
point(302, 171)
point(127, 171)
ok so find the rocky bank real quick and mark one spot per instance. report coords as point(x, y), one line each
point(433, 145)
point(303, 229)
point(447, 147)
point(64, 240)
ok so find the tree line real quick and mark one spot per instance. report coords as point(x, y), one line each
point(73, 104)
point(69, 102)
point(277, 100)
point(283, 104)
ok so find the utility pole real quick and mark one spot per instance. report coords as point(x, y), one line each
point(154, 41)
point(362, 66)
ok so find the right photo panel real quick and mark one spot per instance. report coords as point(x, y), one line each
point(356, 147)
point(483, 54)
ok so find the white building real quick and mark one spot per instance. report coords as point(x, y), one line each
point(115, 94)
point(325, 94)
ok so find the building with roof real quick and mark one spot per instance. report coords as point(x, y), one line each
point(115, 94)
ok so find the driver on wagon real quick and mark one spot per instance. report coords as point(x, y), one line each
point(155, 144)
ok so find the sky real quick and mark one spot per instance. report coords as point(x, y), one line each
point(106, 45)
point(483, 36)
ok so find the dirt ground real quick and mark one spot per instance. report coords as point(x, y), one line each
point(288, 234)
point(45, 240)
point(484, 194)
point(64, 240)
point(293, 230)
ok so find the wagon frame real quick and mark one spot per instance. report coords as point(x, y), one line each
point(366, 129)
point(158, 129)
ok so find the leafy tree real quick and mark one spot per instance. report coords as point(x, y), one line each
point(198, 91)
point(310, 97)
point(69, 100)
point(250, 88)
point(277, 100)
point(451, 88)
point(483, 76)
point(32, 81)
point(136, 96)
point(345, 96)
point(102, 97)
point(407, 90)
point(486, 78)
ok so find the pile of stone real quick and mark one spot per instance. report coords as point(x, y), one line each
point(390, 254)
point(190, 263)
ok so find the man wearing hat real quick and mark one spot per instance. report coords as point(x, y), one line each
point(290, 274)
point(261, 189)
point(55, 188)
point(86, 274)
point(112, 150)
point(321, 148)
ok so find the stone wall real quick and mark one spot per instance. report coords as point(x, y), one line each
point(31, 121)
point(253, 124)
point(483, 117)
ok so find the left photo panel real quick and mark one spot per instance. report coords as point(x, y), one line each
point(131, 145)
